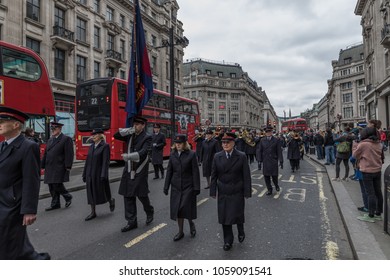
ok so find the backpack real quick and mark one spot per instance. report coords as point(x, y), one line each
point(343, 147)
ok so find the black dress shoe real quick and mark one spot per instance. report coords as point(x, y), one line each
point(156, 178)
point(227, 246)
point(149, 219)
point(207, 187)
point(129, 227)
point(277, 189)
point(178, 236)
point(52, 208)
point(192, 229)
point(68, 203)
point(90, 216)
point(241, 238)
point(112, 204)
point(269, 193)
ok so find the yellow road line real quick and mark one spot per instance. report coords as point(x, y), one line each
point(145, 235)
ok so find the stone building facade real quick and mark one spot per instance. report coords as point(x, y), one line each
point(227, 96)
point(85, 39)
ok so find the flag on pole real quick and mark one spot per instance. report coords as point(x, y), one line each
point(140, 83)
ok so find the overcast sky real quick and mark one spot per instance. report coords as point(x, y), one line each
point(286, 46)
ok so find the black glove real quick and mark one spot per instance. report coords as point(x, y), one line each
point(259, 165)
point(165, 191)
point(84, 179)
point(281, 165)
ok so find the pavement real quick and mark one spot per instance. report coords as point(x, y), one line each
point(369, 241)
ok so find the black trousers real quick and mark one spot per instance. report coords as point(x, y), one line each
point(228, 235)
point(267, 180)
point(158, 167)
point(131, 208)
point(56, 190)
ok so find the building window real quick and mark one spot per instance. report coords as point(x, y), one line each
point(234, 106)
point(110, 42)
point(210, 105)
point(208, 72)
point(222, 83)
point(33, 44)
point(347, 60)
point(59, 17)
point(360, 68)
point(59, 64)
point(109, 14)
point(154, 41)
point(33, 9)
point(122, 75)
point(222, 118)
point(360, 82)
point(81, 68)
point(347, 85)
point(347, 97)
point(362, 110)
point(222, 106)
point(361, 94)
point(232, 75)
point(235, 96)
point(96, 37)
point(235, 118)
point(211, 118)
point(96, 69)
point(345, 72)
point(122, 20)
point(222, 95)
point(110, 72)
point(348, 112)
point(154, 64)
point(81, 30)
point(210, 94)
point(123, 49)
point(220, 74)
point(96, 6)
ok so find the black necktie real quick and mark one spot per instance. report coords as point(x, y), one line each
point(228, 156)
point(3, 146)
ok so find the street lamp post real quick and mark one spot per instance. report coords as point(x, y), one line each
point(183, 41)
point(339, 120)
point(229, 117)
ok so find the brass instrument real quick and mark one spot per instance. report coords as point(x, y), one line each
point(248, 138)
point(197, 136)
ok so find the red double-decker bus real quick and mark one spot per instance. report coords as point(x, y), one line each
point(297, 124)
point(100, 103)
point(25, 85)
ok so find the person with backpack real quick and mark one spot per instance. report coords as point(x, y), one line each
point(343, 154)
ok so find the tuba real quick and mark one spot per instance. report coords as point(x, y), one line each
point(248, 138)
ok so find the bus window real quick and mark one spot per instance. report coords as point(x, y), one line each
point(20, 65)
point(122, 92)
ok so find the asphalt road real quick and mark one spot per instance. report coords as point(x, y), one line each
point(301, 222)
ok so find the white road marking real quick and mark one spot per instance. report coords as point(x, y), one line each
point(144, 235)
point(202, 201)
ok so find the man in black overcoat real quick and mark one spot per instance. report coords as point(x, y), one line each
point(158, 143)
point(231, 183)
point(57, 162)
point(210, 147)
point(19, 187)
point(269, 153)
point(134, 182)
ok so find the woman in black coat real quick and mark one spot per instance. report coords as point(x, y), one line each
point(184, 179)
point(294, 151)
point(95, 174)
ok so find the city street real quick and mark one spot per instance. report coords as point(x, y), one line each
point(300, 222)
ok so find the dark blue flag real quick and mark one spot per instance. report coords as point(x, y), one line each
point(140, 83)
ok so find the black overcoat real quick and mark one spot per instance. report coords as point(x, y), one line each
point(158, 149)
point(269, 152)
point(58, 159)
point(95, 173)
point(293, 149)
point(209, 149)
point(19, 192)
point(231, 183)
point(184, 179)
point(138, 186)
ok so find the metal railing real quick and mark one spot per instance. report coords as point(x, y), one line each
point(63, 33)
